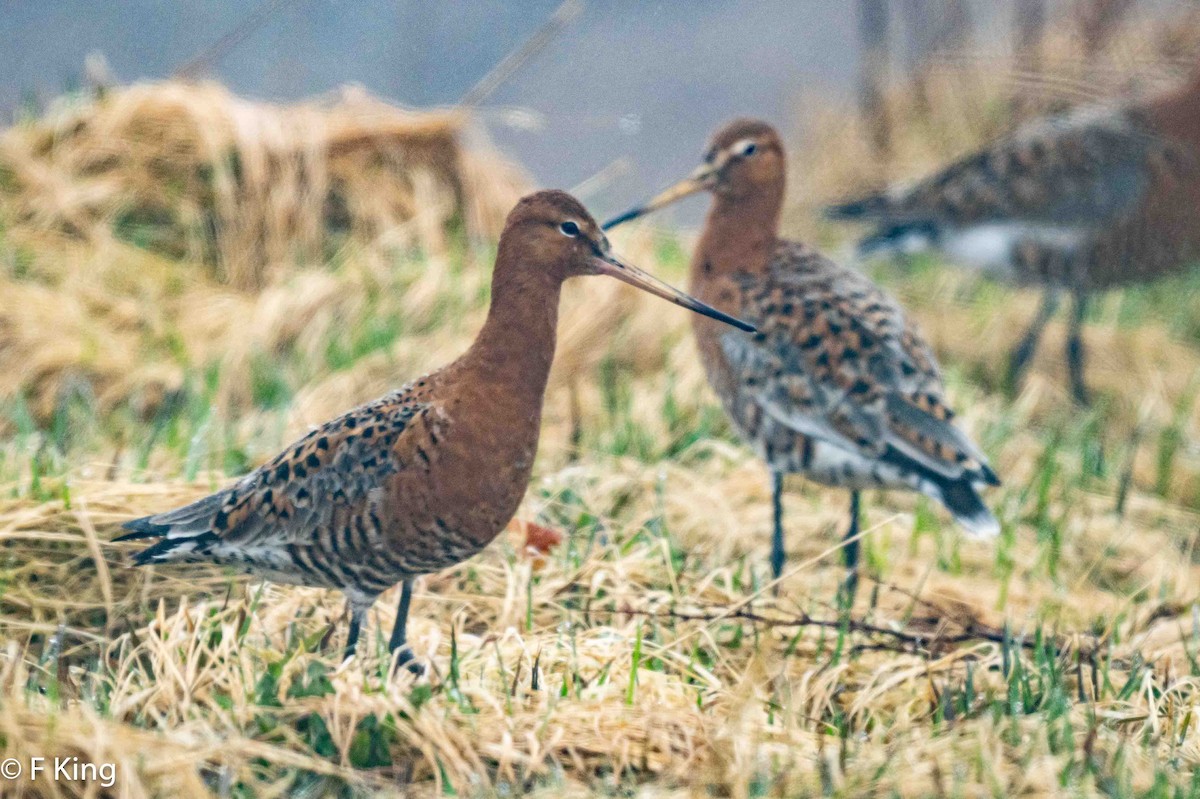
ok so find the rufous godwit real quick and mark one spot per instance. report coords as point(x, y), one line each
point(837, 384)
point(427, 475)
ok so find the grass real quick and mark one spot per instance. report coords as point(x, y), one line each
point(647, 654)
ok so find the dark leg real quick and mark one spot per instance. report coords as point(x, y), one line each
point(357, 612)
point(1022, 355)
point(1075, 354)
point(777, 554)
point(399, 640)
point(850, 551)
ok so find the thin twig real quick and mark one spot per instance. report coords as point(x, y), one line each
point(511, 63)
point(614, 169)
point(229, 41)
point(972, 632)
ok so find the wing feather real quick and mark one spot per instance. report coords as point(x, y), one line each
point(1084, 168)
point(295, 498)
point(836, 360)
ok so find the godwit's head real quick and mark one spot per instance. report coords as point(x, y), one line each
point(551, 234)
point(744, 160)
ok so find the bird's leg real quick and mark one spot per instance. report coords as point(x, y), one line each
point(357, 613)
point(1075, 353)
point(850, 547)
point(399, 640)
point(777, 554)
point(1022, 354)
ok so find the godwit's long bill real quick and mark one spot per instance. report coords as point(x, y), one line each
point(837, 384)
point(426, 476)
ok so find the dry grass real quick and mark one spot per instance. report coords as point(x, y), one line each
point(593, 670)
point(646, 655)
point(194, 172)
point(667, 519)
point(124, 188)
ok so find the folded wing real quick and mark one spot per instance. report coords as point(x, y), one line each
point(836, 360)
point(324, 480)
point(1053, 178)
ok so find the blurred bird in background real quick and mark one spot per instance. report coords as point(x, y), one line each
point(1097, 198)
point(838, 384)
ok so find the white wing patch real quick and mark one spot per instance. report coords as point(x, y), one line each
point(991, 247)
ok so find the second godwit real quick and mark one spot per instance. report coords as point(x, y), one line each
point(428, 475)
point(1101, 197)
point(837, 384)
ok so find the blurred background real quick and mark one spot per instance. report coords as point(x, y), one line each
point(644, 81)
point(625, 78)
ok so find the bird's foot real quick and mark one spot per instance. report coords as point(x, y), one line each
point(404, 659)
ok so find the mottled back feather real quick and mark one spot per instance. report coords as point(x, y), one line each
point(836, 360)
point(308, 496)
point(1090, 200)
point(1083, 168)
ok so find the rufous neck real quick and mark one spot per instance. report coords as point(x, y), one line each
point(515, 347)
point(739, 233)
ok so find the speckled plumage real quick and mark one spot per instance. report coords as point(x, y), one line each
point(836, 364)
point(1094, 199)
point(426, 476)
point(837, 384)
point(318, 513)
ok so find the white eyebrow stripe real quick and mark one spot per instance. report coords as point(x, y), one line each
point(740, 145)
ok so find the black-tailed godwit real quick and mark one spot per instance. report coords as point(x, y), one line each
point(426, 476)
point(1097, 198)
point(837, 384)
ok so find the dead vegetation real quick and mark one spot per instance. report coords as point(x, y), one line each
point(645, 654)
point(194, 173)
point(110, 204)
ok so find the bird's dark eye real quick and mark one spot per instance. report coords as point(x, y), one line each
point(569, 228)
point(749, 149)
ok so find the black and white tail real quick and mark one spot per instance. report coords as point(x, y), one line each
point(186, 533)
point(962, 499)
point(959, 494)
